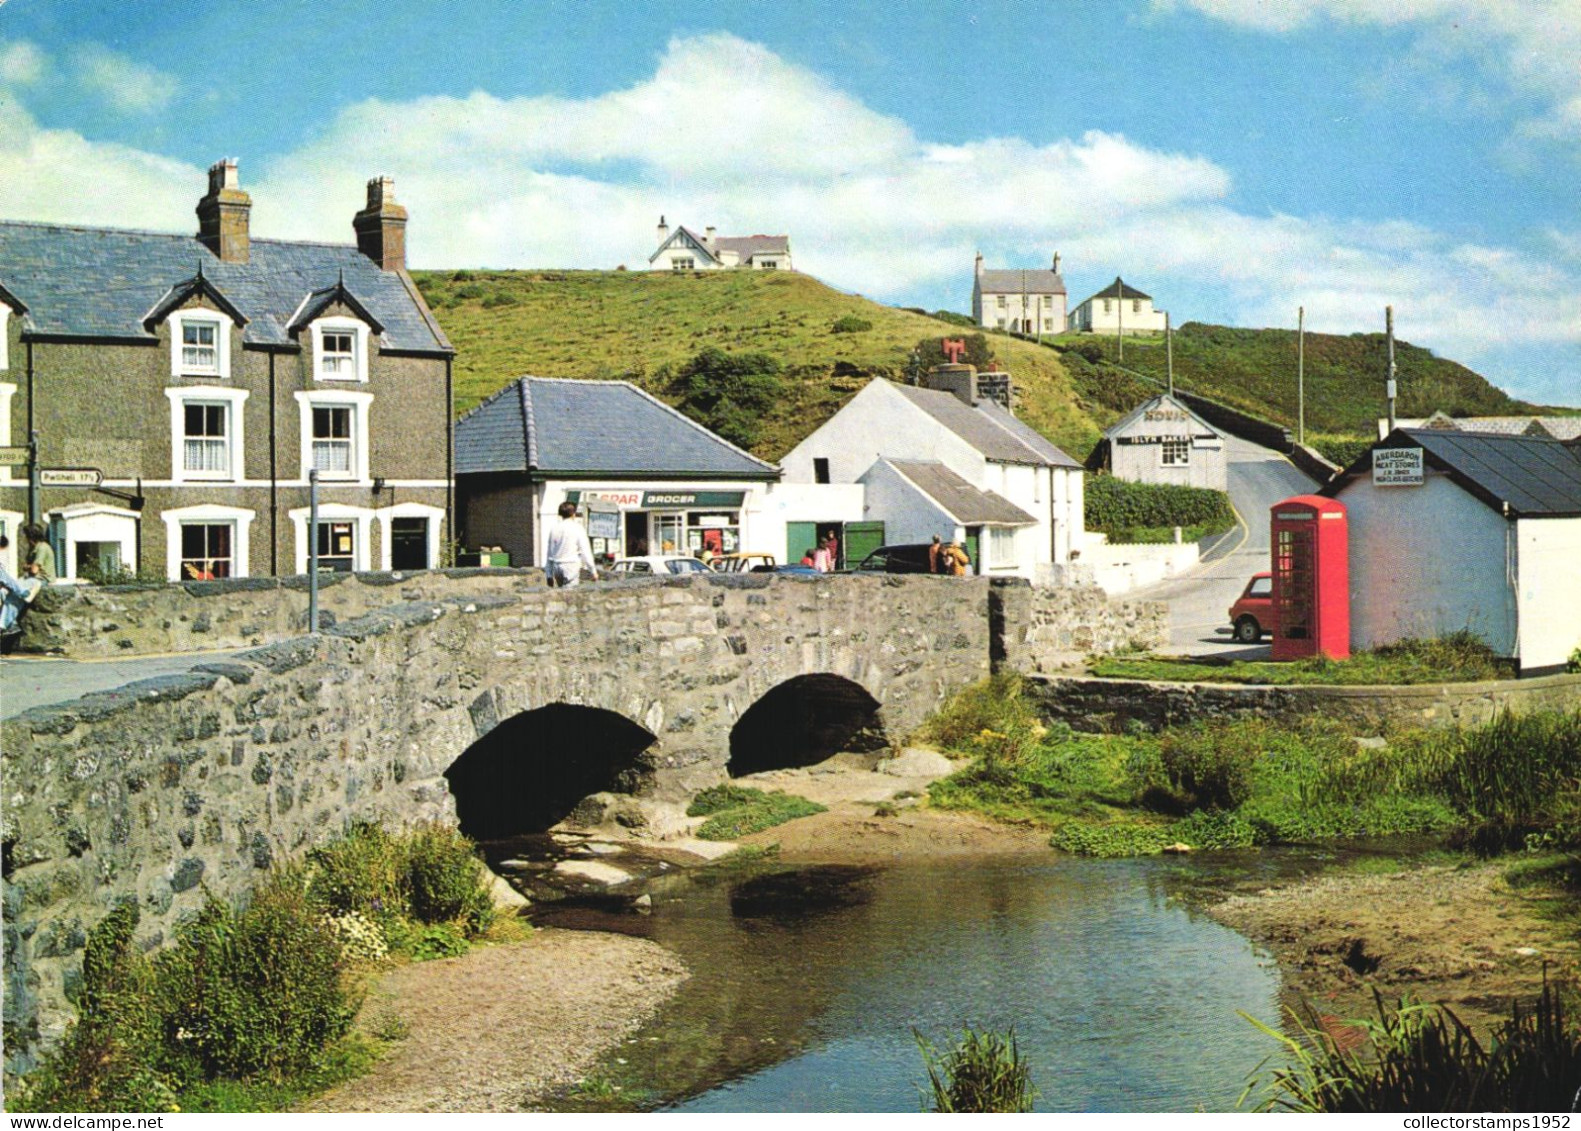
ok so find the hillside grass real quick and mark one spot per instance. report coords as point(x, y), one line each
point(1255, 370)
point(643, 326)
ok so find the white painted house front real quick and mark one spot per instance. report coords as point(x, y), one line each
point(685, 250)
point(1468, 531)
point(1163, 441)
point(1019, 300)
point(1118, 309)
point(951, 464)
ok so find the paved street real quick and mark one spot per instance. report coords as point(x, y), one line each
point(35, 681)
point(1258, 478)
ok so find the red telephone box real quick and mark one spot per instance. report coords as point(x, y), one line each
point(1311, 566)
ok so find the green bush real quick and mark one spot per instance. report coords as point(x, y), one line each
point(500, 298)
point(255, 991)
point(1116, 506)
point(1340, 450)
point(1517, 779)
point(360, 871)
point(930, 351)
point(111, 1058)
point(730, 393)
point(984, 1072)
point(446, 881)
point(1211, 767)
point(439, 940)
point(850, 324)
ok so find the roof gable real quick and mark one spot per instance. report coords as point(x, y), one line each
point(1120, 289)
point(185, 291)
point(317, 302)
point(686, 239)
point(1152, 404)
point(968, 505)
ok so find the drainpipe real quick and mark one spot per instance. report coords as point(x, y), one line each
point(33, 483)
point(274, 480)
point(450, 461)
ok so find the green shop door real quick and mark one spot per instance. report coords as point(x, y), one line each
point(861, 539)
point(799, 538)
point(973, 534)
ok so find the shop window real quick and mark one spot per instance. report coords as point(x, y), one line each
point(1176, 453)
point(97, 560)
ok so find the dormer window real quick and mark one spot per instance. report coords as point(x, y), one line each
point(340, 350)
point(200, 343)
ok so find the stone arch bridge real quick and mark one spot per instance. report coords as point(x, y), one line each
point(177, 784)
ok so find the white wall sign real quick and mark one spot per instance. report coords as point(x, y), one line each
point(1397, 467)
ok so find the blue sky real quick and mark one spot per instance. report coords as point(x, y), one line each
point(1235, 158)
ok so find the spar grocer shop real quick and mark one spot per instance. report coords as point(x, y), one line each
point(644, 477)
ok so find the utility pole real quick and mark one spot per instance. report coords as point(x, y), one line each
point(1390, 388)
point(1119, 318)
point(1301, 360)
point(1169, 354)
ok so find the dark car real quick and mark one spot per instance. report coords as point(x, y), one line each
point(910, 557)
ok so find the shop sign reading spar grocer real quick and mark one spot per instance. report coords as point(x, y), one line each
point(1397, 467)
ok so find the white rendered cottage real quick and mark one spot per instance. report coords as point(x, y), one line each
point(684, 250)
point(1118, 309)
point(943, 460)
point(1019, 300)
point(1163, 441)
point(1455, 530)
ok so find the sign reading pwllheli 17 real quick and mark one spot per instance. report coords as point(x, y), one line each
point(1397, 467)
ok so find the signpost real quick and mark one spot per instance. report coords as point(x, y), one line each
point(70, 476)
point(13, 457)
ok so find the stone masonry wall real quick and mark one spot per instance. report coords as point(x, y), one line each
point(173, 786)
point(1048, 628)
point(1090, 704)
point(93, 621)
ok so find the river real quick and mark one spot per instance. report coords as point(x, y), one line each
point(807, 984)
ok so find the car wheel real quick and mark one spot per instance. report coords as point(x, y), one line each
point(1248, 631)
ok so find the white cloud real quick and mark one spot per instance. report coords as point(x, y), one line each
point(21, 63)
point(725, 133)
point(123, 84)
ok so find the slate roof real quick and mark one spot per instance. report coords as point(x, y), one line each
point(987, 427)
point(748, 246)
point(1113, 291)
point(1559, 427)
point(103, 282)
point(1537, 477)
point(557, 426)
point(959, 499)
point(1014, 281)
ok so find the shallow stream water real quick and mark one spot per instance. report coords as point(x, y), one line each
point(807, 984)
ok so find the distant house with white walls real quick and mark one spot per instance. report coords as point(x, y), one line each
point(1023, 301)
point(941, 459)
point(1118, 309)
point(685, 250)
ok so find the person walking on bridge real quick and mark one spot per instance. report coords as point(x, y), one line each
point(567, 550)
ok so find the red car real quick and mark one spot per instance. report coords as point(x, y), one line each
point(1253, 612)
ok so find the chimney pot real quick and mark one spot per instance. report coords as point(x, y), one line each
point(224, 214)
point(381, 226)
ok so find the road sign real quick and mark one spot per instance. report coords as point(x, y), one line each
point(13, 457)
point(70, 476)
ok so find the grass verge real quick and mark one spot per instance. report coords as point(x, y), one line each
point(735, 811)
point(1458, 658)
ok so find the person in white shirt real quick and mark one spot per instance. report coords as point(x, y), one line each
point(567, 549)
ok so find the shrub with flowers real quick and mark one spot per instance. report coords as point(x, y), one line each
point(361, 938)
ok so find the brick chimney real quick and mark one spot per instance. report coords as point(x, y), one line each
point(223, 214)
point(381, 226)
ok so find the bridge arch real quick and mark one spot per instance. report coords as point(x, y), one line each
point(804, 720)
point(529, 772)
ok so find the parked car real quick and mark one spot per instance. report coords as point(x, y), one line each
point(1253, 612)
point(657, 564)
point(744, 563)
point(911, 557)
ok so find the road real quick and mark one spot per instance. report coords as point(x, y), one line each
point(36, 681)
point(1198, 600)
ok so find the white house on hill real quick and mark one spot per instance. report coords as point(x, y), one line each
point(945, 461)
point(684, 250)
point(1018, 300)
point(1118, 309)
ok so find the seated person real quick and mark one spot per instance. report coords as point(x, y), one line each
point(15, 596)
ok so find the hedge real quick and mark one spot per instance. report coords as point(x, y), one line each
point(1116, 505)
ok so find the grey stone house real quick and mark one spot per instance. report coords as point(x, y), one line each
point(200, 378)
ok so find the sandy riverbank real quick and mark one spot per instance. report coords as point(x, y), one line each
point(503, 1027)
point(1457, 935)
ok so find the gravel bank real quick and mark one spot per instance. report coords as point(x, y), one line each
point(502, 1027)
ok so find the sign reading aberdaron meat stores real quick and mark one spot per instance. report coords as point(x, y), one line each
point(1397, 467)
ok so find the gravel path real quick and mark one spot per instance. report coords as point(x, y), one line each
point(503, 1027)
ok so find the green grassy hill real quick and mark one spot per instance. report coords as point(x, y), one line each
point(1255, 370)
point(644, 326)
